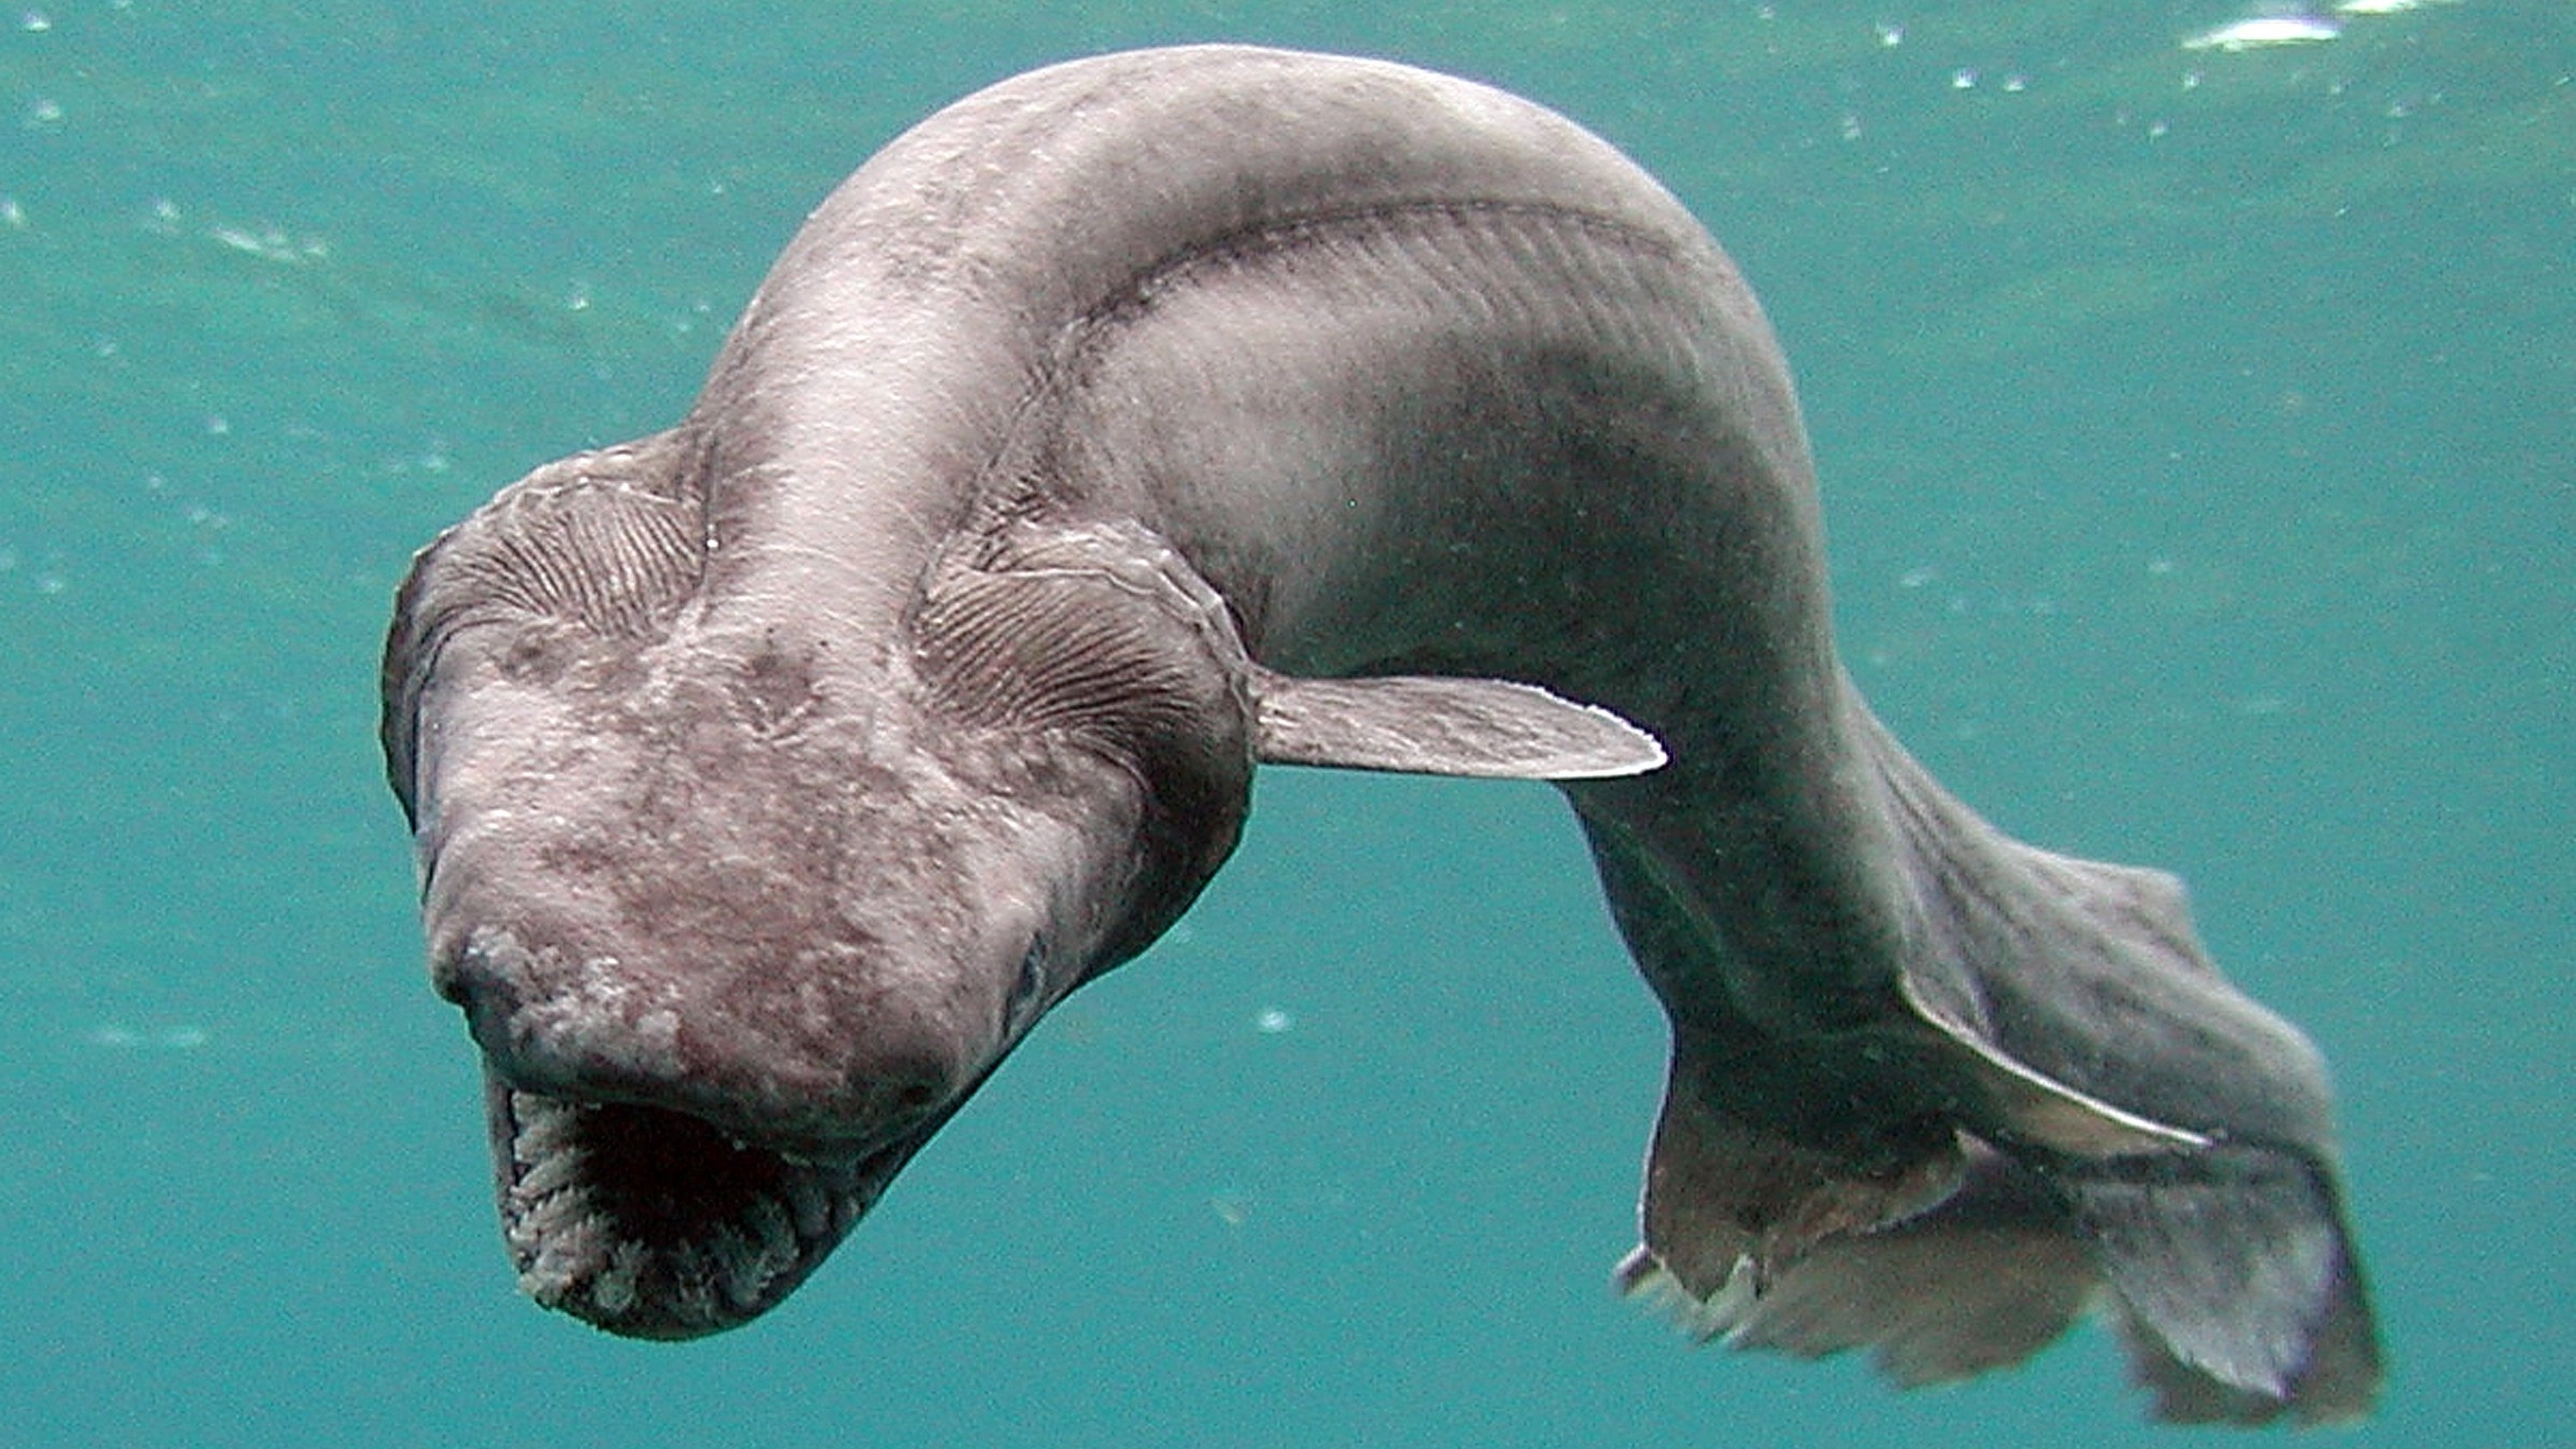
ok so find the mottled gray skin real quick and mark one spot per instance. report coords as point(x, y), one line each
point(1143, 417)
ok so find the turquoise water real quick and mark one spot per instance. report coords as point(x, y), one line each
point(2199, 434)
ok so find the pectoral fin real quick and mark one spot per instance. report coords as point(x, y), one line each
point(1436, 725)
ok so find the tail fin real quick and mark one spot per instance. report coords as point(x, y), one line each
point(2237, 1303)
point(2082, 1112)
point(1982, 1280)
point(2236, 1288)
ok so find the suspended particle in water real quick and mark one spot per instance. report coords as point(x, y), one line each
point(2256, 31)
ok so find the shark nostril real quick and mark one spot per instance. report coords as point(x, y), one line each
point(895, 1096)
point(492, 978)
point(468, 972)
point(915, 1098)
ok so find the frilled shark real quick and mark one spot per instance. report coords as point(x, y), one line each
point(1145, 418)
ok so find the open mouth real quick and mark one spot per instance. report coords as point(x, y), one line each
point(653, 1224)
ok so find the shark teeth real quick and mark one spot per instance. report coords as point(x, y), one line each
point(653, 1225)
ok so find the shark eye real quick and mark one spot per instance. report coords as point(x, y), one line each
point(1031, 986)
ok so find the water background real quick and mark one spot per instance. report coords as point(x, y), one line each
point(2196, 431)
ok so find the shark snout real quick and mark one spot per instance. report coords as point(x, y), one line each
point(806, 1072)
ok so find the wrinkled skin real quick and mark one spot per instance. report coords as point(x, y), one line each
point(738, 918)
point(772, 776)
